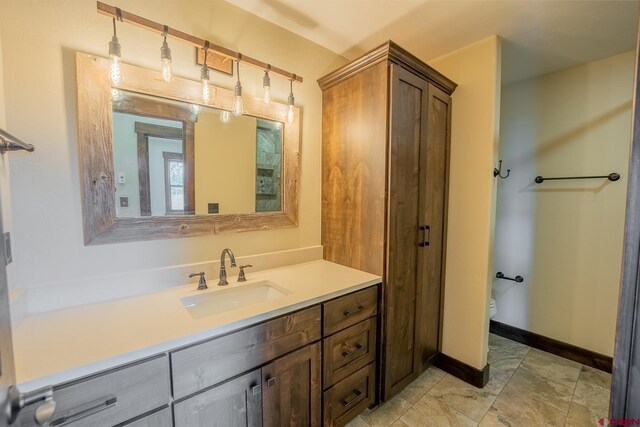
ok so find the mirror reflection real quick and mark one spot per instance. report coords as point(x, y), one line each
point(175, 158)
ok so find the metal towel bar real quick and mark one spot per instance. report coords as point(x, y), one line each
point(611, 177)
point(9, 142)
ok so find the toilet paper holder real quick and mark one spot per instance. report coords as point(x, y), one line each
point(518, 279)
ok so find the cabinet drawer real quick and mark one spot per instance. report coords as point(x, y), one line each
point(236, 403)
point(161, 418)
point(211, 362)
point(349, 350)
point(350, 309)
point(113, 397)
point(345, 400)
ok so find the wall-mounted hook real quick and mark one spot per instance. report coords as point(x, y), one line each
point(498, 171)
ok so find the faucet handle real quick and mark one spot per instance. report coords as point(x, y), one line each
point(202, 283)
point(241, 275)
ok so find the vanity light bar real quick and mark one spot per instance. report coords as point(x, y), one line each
point(124, 16)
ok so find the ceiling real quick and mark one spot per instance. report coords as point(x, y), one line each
point(539, 37)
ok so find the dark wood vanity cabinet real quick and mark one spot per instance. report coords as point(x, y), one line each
point(386, 124)
point(276, 373)
point(313, 367)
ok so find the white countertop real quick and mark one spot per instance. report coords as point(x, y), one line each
point(60, 346)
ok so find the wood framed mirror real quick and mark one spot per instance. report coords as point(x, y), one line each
point(150, 169)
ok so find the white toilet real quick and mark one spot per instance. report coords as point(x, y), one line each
point(493, 310)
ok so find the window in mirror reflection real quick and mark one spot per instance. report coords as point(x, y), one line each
point(172, 159)
point(174, 182)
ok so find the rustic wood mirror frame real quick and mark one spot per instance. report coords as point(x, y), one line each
point(95, 149)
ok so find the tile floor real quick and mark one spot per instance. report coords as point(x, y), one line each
point(527, 387)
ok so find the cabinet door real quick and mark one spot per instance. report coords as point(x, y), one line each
point(291, 389)
point(433, 206)
point(408, 229)
point(236, 403)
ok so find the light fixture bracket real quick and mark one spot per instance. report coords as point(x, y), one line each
point(165, 51)
point(221, 54)
point(291, 100)
point(204, 73)
point(266, 80)
point(114, 47)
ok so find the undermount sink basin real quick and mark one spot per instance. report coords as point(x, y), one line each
point(219, 301)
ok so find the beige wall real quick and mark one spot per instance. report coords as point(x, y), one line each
point(5, 188)
point(474, 144)
point(565, 238)
point(3, 116)
point(225, 163)
point(40, 39)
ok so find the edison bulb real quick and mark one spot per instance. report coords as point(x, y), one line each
point(115, 73)
point(165, 57)
point(267, 94)
point(237, 106)
point(290, 114)
point(266, 84)
point(206, 92)
point(116, 95)
point(167, 71)
point(225, 116)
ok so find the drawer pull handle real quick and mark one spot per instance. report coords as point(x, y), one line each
point(256, 390)
point(426, 236)
point(271, 382)
point(346, 354)
point(84, 413)
point(349, 313)
point(347, 403)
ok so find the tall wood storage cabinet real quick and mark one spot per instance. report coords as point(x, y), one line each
point(385, 129)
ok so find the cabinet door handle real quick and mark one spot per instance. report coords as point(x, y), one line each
point(346, 354)
point(347, 403)
point(352, 312)
point(84, 413)
point(426, 236)
point(256, 390)
point(271, 382)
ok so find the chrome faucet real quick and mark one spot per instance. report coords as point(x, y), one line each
point(223, 268)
